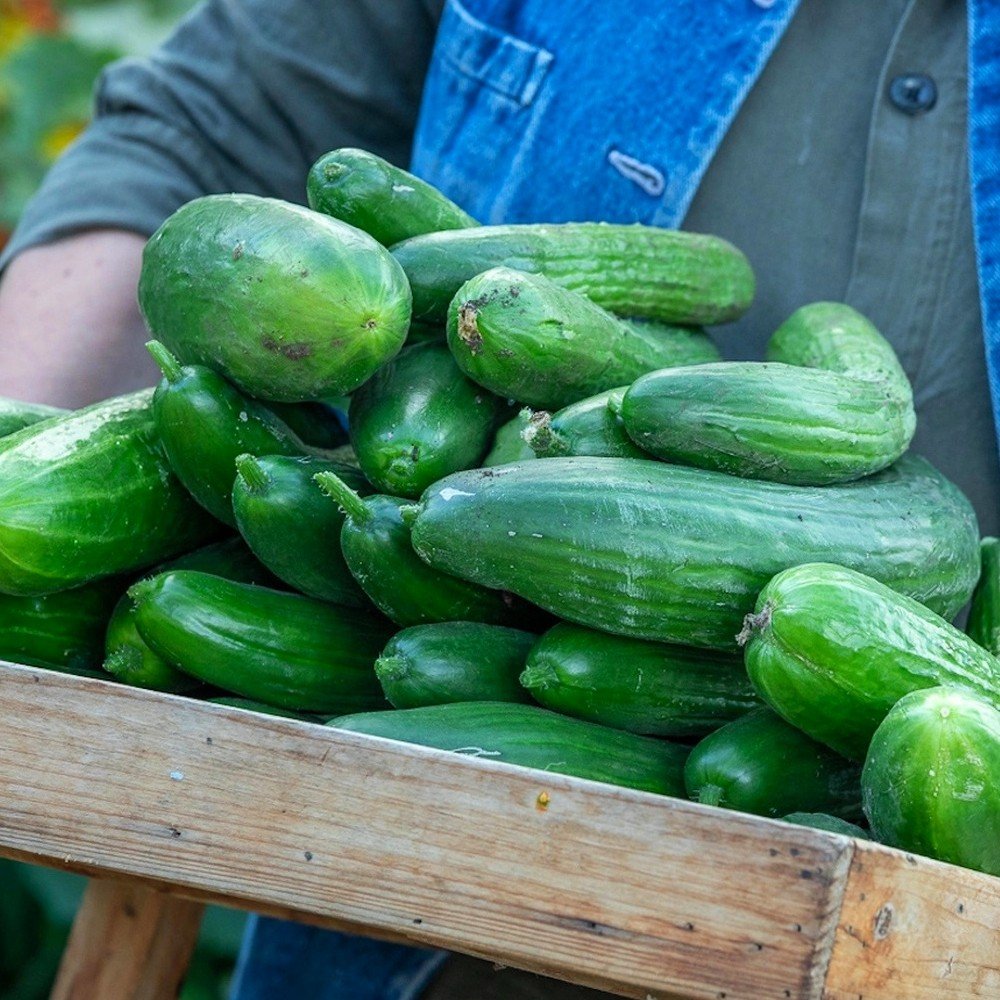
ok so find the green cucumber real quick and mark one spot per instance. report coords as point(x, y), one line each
point(508, 442)
point(15, 415)
point(832, 650)
point(376, 547)
point(681, 345)
point(205, 423)
point(532, 737)
point(983, 625)
point(90, 495)
point(288, 304)
point(631, 270)
point(676, 554)
point(645, 687)
point(419, 419)
point(831, 824)
point(267, 645)
point(590, 427)
point(453, 661)
point(847, 415)
point(127, 655)
point(292, 528)
point(316, 424)
point(388, 203)
point(760, 764)
point(930, 778)
point(62, 631)
point(525, 337)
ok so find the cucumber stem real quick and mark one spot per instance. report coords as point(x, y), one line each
point(350, 502)
point(142, 590)
point(252, 473)
point(754, 623)
point(408, 513)
point(540, 437)
point(391, 668)
point(165, 361)
point(710, 795)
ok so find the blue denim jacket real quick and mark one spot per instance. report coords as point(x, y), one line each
point(539, 111)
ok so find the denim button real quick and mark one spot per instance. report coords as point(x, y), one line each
point(913, 93)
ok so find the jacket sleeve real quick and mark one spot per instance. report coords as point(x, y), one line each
point(244, 96)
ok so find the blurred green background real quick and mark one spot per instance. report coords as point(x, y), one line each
point(50, 54)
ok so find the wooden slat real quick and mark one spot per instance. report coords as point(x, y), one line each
point(129, 943)
point(634, 893)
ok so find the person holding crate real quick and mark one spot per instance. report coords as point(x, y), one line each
point(829, 139)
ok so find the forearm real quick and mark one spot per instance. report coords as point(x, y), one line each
point(70, 328)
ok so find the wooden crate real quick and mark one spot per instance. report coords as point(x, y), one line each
point(634, 893)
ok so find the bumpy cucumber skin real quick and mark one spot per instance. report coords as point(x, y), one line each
point(453, 661)
point(644, 687)
point(759, 764)
point(526, 337)
point(204, 424)
point(418, 419)
point(831, 824)
point(406, 589)
point(267, 645)
point(388, 203)
point(832, 650)
point(664, 552)
point(289, 304)
point(682, 345)
point(16, 415)
point(983, 625)
point(532, 737)
point(127, 655)
point(632, 270)
point(62, 631)
point(930, 778)
point(590, 427)
point(289, 525)
point(90, 495)
point(509, 444)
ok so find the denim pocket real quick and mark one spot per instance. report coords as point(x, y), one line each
point(483, 93)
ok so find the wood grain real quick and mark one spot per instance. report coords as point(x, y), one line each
point(128, 943)
point(634, 893)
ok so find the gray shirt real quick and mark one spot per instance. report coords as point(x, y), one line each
point(830, 189)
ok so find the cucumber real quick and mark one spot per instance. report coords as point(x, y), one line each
point(288, 304)
point(292, 528)
point(204, 423)
point(682, 345)
point(760, 764)
point(388, 203)
point(419, 419)
point(376, 547)
point(90, 495)
point(62, 631)
point(983, 625)
point(631, 270)
point(128, 657)
point(831, 824)
point(509, 444)
point(675, 554)
point(847, 415)
point(267, 645)
point(590, 427)
point(453, 661)
point(525, 337)
point(318, 425)
point(532, 737)
point(16, 415)
point(832, 650)
point(930, 778)
point(644, 687)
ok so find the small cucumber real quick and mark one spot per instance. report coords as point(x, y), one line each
point(532, 737)
point(15, 415)
point(288, 304)
point(760, 764)
point(832, 650)
point(983, 625)
point(526, 337)
point(418, 419)
point(590, 427)
point(376, 545)
point(930, 778)
point(645, 687)
point(267, 645)
point(509, 444)
point(831, 824)
point(289, 524)
point(453, 661)
point(388, 203)
point(631, 270)
point(127, 655)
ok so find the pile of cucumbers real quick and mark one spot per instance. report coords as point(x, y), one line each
point(492, 489)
